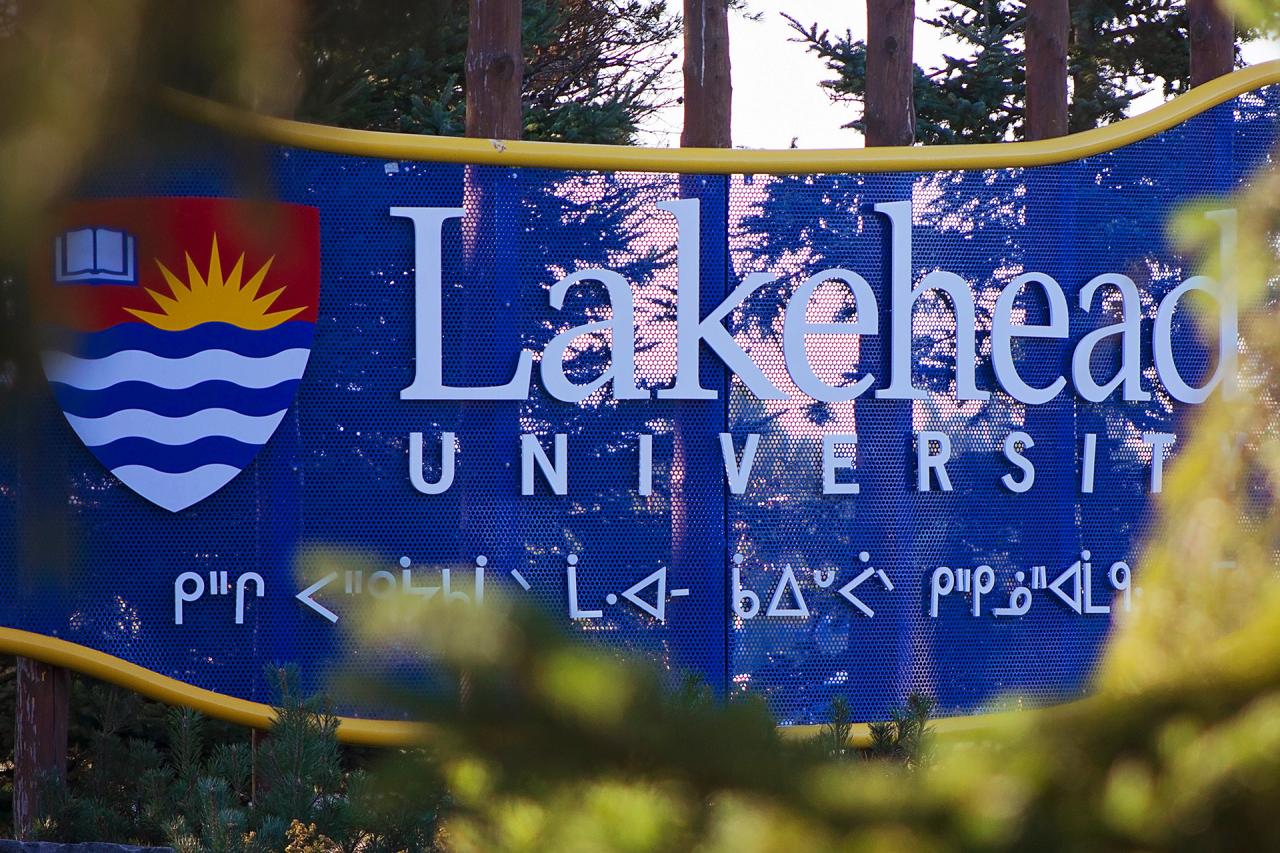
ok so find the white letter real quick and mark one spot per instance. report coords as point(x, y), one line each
point(182, 596)
point(1158, 441)
point(576, 611)
point(1003, 331)
point(1130, 331)
point(795, 326)
point(1228, 322)
point(446, 464)
point(428, 380)
point(830, 462)
point(622, 360)
point(1015, 456)
point(738, 473)
point(241, 583)
point(557, 475)
point(692, 331)
point(903, 305)
point(1087, 464)
point(940, 584)
point(745, 602)
point(927, 460)
point(646, 464)
point(446, 583)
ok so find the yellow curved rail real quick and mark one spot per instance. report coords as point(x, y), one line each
point(354, 730)
point(558, 155)
point(171, 691)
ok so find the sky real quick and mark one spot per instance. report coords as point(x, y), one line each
point(776, 91)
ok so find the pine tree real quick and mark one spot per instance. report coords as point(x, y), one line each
point(593, 69)
point(967, 99)
point(145, 774)
point(1118, 50)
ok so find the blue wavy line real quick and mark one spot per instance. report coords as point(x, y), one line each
point(188, 401)
point(176, 459)
point(140, 336)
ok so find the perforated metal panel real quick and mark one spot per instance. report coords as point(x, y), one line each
point(336, 471)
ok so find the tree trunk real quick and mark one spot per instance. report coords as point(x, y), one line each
point(1049, 211)
point(698, 532)
point(708, 86)
point(890, 110)
point(1048, 29)
point(40, 737)
point(1085, 84)
point(488, 520)
point(883, 508)
point(1213, 41)
point(495, 69)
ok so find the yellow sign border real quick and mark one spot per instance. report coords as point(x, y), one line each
point(353, 730)
point(558, 155)
point(171, 691)
point(396, 146)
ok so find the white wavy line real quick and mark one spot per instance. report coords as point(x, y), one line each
point(94, 374)
point(139, 423)
point(175, 491)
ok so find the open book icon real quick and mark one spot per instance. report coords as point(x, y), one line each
point(96, 256)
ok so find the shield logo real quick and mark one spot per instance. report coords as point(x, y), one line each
point(182, 328)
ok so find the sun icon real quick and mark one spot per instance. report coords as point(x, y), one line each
point(215, 298)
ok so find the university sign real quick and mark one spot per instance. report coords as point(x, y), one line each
point(808, 425)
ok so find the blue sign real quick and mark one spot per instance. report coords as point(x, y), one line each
point(807, 435)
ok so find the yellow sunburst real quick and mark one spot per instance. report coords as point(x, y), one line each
point(215, 298)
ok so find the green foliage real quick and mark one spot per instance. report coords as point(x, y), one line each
point(834, 737)
point(205, 789)
point(300, 759)
point(1117, 51)
point(1262, 15)
point(905, 739)
point(593, 68)
point(906, 736)
point(693, 693)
